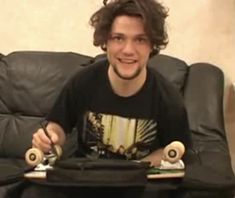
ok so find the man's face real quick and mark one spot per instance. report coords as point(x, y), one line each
point(128, 47)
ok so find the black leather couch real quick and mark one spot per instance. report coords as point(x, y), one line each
point(31, 80)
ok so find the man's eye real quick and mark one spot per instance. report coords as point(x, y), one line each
point(117, 38)
point(141, 40)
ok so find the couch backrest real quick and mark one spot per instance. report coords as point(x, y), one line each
point(29, 84)
point(174, 69)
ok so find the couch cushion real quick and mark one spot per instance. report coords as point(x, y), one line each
point(29, 84)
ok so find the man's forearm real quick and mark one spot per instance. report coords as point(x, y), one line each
point(154, 158)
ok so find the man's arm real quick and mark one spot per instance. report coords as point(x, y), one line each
point(42, 142)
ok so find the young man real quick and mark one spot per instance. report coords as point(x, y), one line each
point(120, 107)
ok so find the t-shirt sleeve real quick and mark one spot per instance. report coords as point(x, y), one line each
point(65, 109)
point(173, 120)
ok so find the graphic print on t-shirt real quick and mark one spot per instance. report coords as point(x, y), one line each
point(120, 135)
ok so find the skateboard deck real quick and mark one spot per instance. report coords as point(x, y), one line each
point(157, 173)
point(36, 174)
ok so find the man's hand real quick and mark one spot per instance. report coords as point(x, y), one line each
point(43, 142)
point(154, 158)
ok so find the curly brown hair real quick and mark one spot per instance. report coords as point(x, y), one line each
point(152, 13)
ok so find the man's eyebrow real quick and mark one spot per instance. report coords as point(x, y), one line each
point(116, 33)
point(122, 34)
point(142, 35)
point(113, 34)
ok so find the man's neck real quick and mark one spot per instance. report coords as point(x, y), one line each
point(126, 88)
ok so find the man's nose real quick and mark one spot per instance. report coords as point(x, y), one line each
point(128, 47)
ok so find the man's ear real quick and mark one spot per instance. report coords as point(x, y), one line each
point(104, 47)
point(105, 2)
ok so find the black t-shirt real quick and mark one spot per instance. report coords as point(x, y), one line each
point(109, 124)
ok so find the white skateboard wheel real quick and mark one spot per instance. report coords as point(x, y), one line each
point(34, 156)
point(58, 150)
point(174, 151)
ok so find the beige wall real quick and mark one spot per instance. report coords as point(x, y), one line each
point(58, 25)
point(202, 30)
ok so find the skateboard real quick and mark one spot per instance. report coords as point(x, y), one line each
point(171, 164)
point(40, 161)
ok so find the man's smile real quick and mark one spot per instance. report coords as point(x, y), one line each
point(127, 61)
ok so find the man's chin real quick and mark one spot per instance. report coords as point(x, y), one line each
point(125, 74)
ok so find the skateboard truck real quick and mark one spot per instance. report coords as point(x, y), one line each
point(41, 162)
point(35, 157)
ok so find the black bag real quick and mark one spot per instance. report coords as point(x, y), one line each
point(12, 171)
point(10, 174)
point(98, 172)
